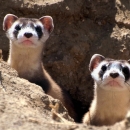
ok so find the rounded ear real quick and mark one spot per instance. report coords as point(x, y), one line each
point(95, 60)
point(129, 61)
point(9, 19)
point(47, 22)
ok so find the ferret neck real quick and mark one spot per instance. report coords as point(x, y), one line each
point(33, 54)
point(108, 106)
point(25, 59)
point(111, 98)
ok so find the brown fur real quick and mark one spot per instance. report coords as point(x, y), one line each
point(108, 107)
point(110, 103)
point(28, 63)
point(29, 66)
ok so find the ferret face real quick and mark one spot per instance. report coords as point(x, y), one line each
point(110, 74)
point(27, 32)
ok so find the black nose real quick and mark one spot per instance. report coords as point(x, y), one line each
point(114, 75)
point(28, 35)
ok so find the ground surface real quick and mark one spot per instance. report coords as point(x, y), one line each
point(82, 28)
point(24, 106)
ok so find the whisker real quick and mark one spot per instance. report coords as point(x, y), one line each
point(127, 83)
point(127, 86)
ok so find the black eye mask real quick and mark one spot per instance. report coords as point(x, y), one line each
point(16, 30)
point(126, 72)
point(124, 69)
point(24, 24)
point(39, 31)
point(102, 71)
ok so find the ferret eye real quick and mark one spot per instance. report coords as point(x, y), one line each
point(125, 70)
point(18, 27)
point(104, 68)
point(38, 29)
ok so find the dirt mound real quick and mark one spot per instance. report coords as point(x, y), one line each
point(24, 105)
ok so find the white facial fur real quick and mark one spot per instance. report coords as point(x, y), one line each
point(27, 29)
point(107, 82)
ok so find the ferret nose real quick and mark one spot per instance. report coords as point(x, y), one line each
point(28, 35)
point(114, 75)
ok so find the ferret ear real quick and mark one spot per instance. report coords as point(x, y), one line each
point(95, 60)
point(9, 19)
point(129, 61)
point(47, 22)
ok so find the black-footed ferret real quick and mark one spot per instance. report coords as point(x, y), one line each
point(111, 93)
point(27, 37)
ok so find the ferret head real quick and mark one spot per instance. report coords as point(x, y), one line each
point(27, 32)
point(110, 74)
